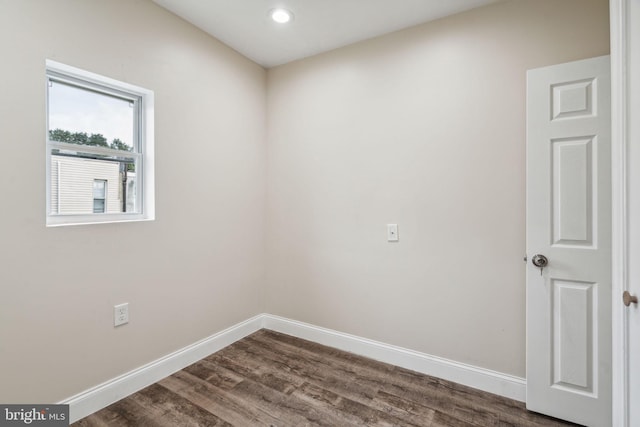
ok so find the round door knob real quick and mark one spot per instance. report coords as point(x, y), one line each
point(540, 261)
point(629, 299)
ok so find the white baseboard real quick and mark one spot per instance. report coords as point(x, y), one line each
point(483, 379)
point(105, 394)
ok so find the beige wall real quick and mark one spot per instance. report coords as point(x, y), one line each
point(424, 128)
point(197, 269)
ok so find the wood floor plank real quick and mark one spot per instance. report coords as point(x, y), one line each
point(323, 369)
point(286, 408)
point(367, 380)
point(213, 374)
point(275, 380)
point(126, 412)
point(172, 410)
point(259, 357)
point(410, 412)
point(261, 371)
point(466, 403)
point(348, 411)
point(228, 406)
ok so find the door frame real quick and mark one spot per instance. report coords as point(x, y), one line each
point(620, 72)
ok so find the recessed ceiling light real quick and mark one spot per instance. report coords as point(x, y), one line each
point(281, 16)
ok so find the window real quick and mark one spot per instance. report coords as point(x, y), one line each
point(99, 149)
point(99, 195)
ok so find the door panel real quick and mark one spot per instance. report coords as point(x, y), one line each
point(569, 221)
point(573, 195)
point(574, 322)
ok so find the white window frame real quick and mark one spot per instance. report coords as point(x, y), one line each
point(144, 151)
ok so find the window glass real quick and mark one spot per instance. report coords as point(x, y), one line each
point(99, 148)
point(99, 195)
point(87, 117)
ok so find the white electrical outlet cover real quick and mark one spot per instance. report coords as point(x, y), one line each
point(121, 314)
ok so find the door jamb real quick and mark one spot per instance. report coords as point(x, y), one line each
point(619, 37)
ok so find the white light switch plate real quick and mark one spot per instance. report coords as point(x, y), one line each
point(392, 232)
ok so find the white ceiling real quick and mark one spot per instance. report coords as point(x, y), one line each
point(318, 25)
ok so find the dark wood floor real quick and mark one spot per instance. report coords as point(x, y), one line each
point(271, 379)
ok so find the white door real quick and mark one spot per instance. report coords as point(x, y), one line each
point(569, 223)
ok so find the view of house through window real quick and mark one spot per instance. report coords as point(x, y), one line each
point(94, 148)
